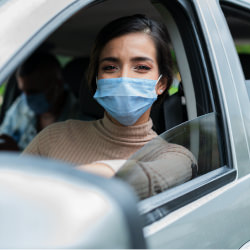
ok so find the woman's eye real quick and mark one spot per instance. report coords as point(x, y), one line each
point(142, 68)
point(109, 68)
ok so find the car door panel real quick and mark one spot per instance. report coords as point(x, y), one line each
point(218, 220)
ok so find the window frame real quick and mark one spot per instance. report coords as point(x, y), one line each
point(242, 8)
point(157, 207)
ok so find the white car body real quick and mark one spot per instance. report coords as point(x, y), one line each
point(210, 211)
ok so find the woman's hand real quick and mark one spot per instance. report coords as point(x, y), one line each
point(99, 169)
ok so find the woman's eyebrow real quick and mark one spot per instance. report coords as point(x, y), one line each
point(109, 59)
point(134, 59)
point(141, 58)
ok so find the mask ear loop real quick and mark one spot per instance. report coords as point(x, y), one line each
point(159, 78)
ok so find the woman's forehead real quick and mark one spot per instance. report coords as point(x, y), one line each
point(132, 45)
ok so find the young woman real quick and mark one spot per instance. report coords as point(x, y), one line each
point(130, 68)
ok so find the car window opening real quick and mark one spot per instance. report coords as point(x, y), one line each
point(174, 120)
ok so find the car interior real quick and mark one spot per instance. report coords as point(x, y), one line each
point(189, 117)
point(69, 41)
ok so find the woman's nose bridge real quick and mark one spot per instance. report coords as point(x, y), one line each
point(124, 71)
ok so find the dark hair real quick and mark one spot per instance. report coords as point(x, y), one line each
point(40, 61)
point(132, 24)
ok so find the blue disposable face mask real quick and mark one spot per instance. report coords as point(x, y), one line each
point(37, 102)
point(126, 99)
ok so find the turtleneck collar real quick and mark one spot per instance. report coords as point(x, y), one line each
point(137, 133)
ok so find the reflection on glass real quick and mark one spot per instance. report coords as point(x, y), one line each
point(200, 137)
point(171, 158)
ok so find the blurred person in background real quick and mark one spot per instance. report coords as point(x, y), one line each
point(44, 100)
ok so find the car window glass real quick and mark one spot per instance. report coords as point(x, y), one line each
point(203, 136)
point(199, 135)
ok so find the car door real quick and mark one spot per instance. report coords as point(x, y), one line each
point(212, 210)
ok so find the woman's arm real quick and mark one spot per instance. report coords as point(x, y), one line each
point(158, 166)
point(98, 168)
point(106, 168)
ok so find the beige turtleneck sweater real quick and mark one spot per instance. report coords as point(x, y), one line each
point(83, 142)
point(157, 166)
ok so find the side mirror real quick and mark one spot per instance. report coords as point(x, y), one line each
point(48, 204)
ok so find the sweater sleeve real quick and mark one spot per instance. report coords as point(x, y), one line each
point(158, 166)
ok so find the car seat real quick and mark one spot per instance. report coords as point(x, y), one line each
point(170, 113)
point(75, 76)
point(74, 72)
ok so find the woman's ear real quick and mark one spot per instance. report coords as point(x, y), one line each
point(161, 85)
